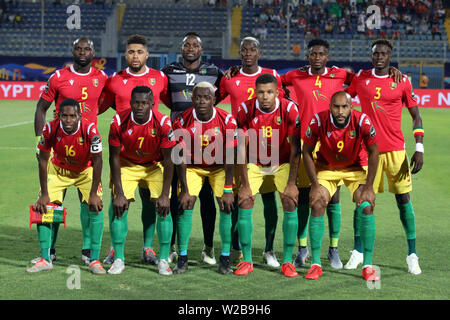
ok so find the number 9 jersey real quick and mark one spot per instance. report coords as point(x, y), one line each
point(341, 147)
point(71, 151)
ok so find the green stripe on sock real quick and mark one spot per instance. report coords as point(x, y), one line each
point(164, 228)
point(290, 228)
point(367, 231)
point(85, 226)
point(184, 228)
point(408, 220)
point(303, 216)
point(316, 232)
point(334, 222)
point(245, 227)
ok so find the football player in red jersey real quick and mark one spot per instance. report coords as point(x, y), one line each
point(208, 135)
point(141, 141)
point(273, 129)
point(76, 161)
point(383, 99)
point(117, 94)
point(344, 135)
point(241, 87)
point(83, 83)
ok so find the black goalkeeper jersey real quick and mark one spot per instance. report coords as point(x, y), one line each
point(183, 80)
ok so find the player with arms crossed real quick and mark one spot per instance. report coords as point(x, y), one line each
point(76, 161)
point(240, 88)
point(83, 83)
point(140, 143)
point(213, 131)
point(183, 76)
point(383, 99)
point(117, 94)
point(345, 136)
point(271, 124)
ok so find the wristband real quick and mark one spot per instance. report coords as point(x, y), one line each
point(228, 189)
point(419, 147)
point(418, 131)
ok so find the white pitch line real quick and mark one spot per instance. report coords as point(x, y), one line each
point(15, 124)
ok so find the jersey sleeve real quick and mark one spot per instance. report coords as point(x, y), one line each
point(243, 116)
point(293, 120)
point(349, 78)
point(312, 132)
point(286, 79)
point(94, 138)
point(164, 95)
point(223, 92)
point(230, 132)
point(167, 135)
point(368, 131)
point(114, 132)
point(280, 85)
point(45, 144)
point(50, 90)
point(408, 97)
point(107, 97)
point(351, 89)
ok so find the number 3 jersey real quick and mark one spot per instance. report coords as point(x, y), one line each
point(283, 121)
point(341, 148)
point(383, 99)
point(141, 143)
point(71, 151)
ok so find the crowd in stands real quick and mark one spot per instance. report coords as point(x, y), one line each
point(315, 18)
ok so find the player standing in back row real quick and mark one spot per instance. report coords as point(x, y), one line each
point(382, 99)
point(183, 76)
point(117, 94)
point(241, 87)
point(83, 83)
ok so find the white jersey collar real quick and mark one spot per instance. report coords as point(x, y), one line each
point(72, 69)
point(196, 119)
point(149, 118)
point(137, 74)
point(277, 104)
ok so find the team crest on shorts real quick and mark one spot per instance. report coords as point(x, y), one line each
point(95, 82)
point(351, 134)
point(152, 81)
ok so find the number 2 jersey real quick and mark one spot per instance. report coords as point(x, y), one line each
point(242, 87)
point(284, 120)
point(383, 99)
point(141, 143)
point(71, 151)
point(341, 148)
point(83, 87)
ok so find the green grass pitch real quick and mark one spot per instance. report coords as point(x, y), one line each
point(19, 186)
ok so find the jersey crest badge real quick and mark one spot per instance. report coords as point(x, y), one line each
point(95, 82)
point(81, 141)
point(217, 130)
point(202, 71)
point(332, 75)
point(393, 85)
point(278, 120)
point(153, 132)
point(152, 81)
point(352, 134)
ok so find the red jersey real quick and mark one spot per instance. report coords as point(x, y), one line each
point(212, 136)
point(313, 92)
point(119, 86)
point(341, 148)
point(382, 99)
point(83, 87)
point(284, 119)
point(71, 151)
point(242, 87)
point(141, 143)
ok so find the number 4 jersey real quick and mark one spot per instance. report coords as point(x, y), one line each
point(71, 151)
